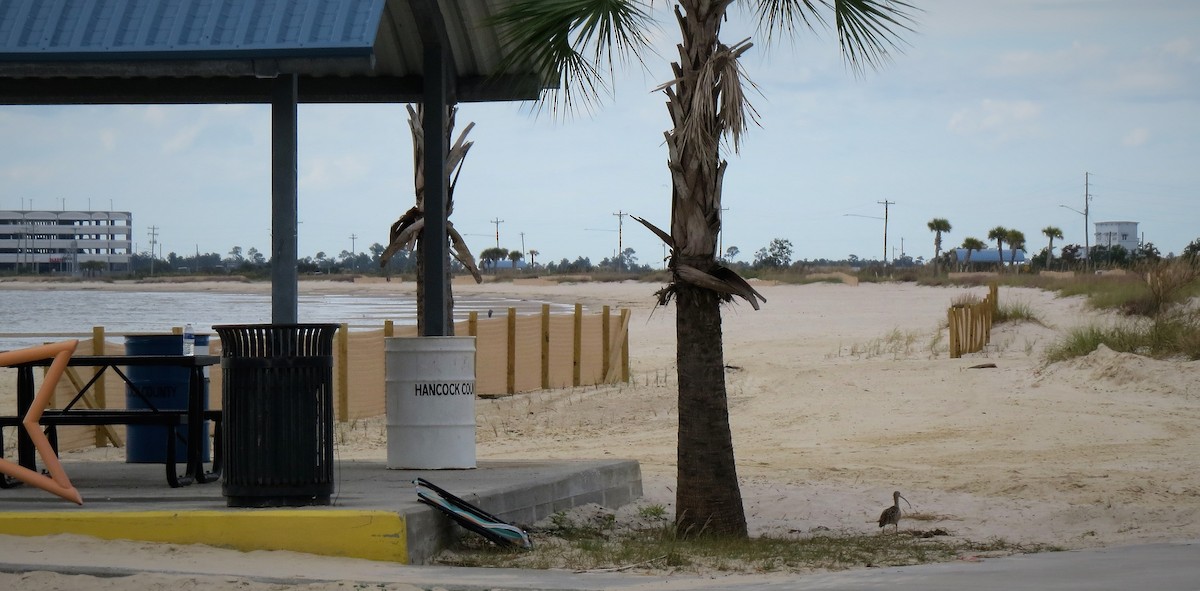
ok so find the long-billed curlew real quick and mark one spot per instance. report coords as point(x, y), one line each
point(891, 515)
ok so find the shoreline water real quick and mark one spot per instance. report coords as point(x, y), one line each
point(72, 309)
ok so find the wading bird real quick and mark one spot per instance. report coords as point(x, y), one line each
point(891, 515)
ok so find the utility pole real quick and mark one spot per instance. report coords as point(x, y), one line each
point(885, 203)
point(1087, 198)
point(522, 245)
point(620, 243)
point(497, 221)
point(353, 237)
point(153, 241)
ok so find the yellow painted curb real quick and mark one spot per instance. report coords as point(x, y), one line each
point(374, 535)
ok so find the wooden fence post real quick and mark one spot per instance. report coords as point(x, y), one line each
point(605, 344)
point(625, 345)
point(577, 346)
point(545, 346)
point(343, 372)
point(952, 320)
point(100, 394)
point(511, 382)
point(473, 325)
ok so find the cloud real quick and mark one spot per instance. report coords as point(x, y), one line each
point(1003, 119)
point(1182, 49)
point(1078, 57)
point(1136, 137)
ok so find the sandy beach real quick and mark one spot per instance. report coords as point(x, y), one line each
point(839, 395)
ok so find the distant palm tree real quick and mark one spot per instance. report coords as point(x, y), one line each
point(999, 234)
point(533, 255)
point(572, 42)
point(1016, 241)
point(1051, 232)
point(972, 244)
point(938, 226)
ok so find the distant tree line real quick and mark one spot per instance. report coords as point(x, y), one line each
point(776, 256)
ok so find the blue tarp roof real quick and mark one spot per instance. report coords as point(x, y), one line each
point(989, 255)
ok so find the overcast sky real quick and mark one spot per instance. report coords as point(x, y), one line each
point(991, 116)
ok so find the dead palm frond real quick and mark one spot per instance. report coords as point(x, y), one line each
point(719, 278)
point(405, 232)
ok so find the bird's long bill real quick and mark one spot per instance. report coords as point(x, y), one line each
point(906, 501)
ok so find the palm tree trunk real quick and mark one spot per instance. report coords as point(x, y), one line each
point(708, 498)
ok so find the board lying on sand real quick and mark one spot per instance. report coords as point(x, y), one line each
point(471, 517)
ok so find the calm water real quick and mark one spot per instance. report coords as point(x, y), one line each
point(76, 312)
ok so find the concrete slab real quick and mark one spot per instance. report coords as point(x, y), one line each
point(374, 512)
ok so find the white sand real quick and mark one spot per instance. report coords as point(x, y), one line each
point(841, 394)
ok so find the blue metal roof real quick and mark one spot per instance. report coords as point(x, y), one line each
point(60, 30)
point(219, 51)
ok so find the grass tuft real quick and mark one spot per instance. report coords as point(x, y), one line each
point(1018, 311)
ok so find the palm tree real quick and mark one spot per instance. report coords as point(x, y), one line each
point(972, 244)
point(938, 226)
point(1051, 232)
point(572, 42)
point(999, 234)
point(1016, 241)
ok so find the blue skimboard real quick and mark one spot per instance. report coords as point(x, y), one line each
point(471, 517)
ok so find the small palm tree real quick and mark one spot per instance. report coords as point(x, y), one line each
point(1016, 241)
point(1051, 232)
point(572, 42)
point(408, 232)
point(972, 244)
point(515, 256)
point(999, 234)
point(938, 226)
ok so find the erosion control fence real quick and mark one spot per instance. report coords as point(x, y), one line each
point(514, 353)
point(971, 324)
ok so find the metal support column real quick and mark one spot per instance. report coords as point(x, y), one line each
point(284, 219)
point(437, 256)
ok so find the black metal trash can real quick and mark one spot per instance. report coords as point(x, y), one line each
point(277, 401)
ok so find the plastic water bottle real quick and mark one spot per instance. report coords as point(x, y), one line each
point(189, 340)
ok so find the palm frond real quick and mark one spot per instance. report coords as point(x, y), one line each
point(868, 29)
point(664, 236)
point(571, 43)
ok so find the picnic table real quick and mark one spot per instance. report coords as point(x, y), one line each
point(74, 413)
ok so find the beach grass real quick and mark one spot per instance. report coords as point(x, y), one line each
point(605, 546)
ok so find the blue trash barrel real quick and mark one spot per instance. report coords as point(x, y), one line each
point(167, 389)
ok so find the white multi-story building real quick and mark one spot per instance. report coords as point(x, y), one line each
point(61, 241)
point(1124, 234)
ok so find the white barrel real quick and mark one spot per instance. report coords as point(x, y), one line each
point(430, 402)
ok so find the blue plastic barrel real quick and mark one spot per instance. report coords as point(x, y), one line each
point(167, 389)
